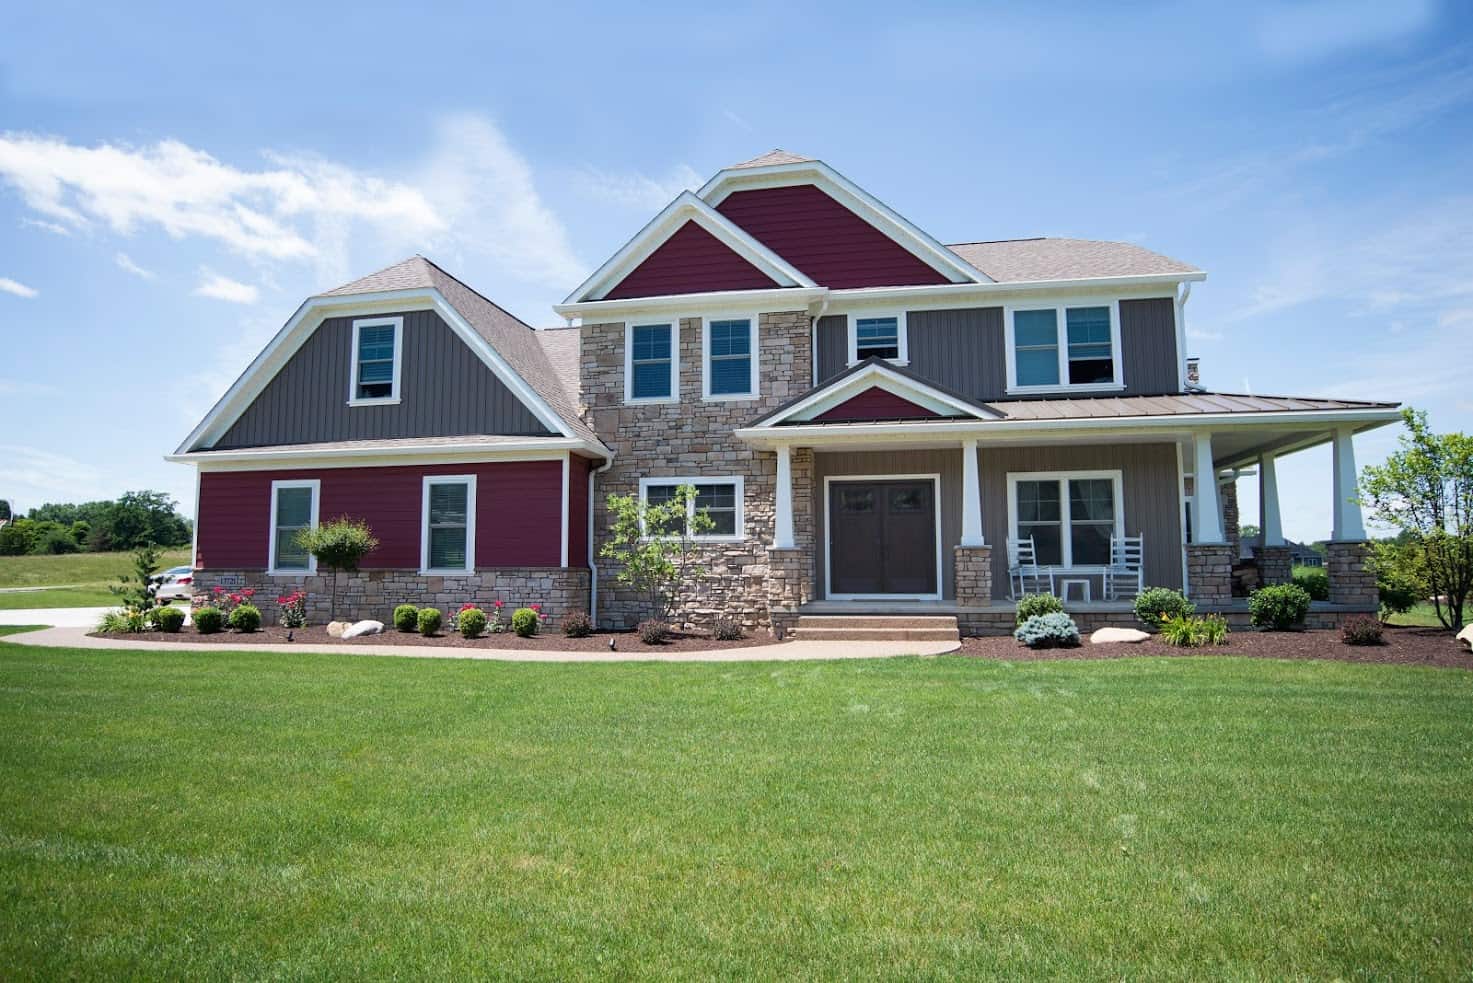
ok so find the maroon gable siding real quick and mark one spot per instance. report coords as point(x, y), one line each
point(875, 404)
point(690, 261)
point(518, 512)
point(834, 246)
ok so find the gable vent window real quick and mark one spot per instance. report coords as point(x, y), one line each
point(651, 368)
point(730, 371)
point(377, 348)
point(1063, 348)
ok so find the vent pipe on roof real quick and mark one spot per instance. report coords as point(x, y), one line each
point(1194, 370)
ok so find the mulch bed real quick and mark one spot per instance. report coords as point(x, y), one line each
point(550, 641)
point(1404, 646)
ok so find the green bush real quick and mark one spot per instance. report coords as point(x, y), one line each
point(246, 618)
point(1190, 632)
point(17, 538)
point(406, 617)
point(208, 620)
point(1399, 592)
point(168, 618)
point(1045, 631)
point(126, 621)
point(1361, 631)
point(472, 622)
point(1315, 581)
point(429, 621)
point(654, 631)
point(55, 542)
point(1155, 604)
point(577, 624)
point(1280, 607)
point(525, 622)
point(1036, 605)
point(726, 630)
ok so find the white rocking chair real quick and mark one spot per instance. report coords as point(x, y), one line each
point(1125, 573)
point(1023, 569)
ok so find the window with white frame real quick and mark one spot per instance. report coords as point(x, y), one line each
point(719, 498)
point(377, 348)
point(730, 370)
point(877, 336)
point(1069, 515)
point(1062, 347)
point(650, 370)
point(293, 509)
point(448, 543)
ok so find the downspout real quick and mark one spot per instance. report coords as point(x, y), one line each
point(592, 559)
point(813, 335)
point(1181, 338)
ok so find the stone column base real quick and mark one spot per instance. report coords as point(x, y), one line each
point(789, 586)
point(973, 575)
point(1351, 580)
point(1210, 573)
point(1275, 564)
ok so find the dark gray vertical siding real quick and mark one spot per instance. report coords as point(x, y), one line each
point(833, 346)
point(946, 463)
point(1148, 346)
point(960, 349)
point(1152, 500)
point(445, 390)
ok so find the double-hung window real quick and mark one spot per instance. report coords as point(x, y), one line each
point(1070, 516)
point(293, 509)
point(377, 354)
point(650, 374)
point(730, 346)
point(718, 498)
point(448, 537)
point(877, 336)
point(1064, 347)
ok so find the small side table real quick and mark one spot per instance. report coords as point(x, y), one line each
point(1081, 582)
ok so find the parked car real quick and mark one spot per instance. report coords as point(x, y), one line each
point(165, 575)
point(179, 587)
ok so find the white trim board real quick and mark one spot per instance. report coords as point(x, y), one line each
point(315, 485)
point(828, 537)
point(429, 480)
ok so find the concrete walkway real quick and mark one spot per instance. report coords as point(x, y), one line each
point(61, 617)
point(77, 637)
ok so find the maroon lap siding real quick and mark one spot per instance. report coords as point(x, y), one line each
point(690, 261)
point(834, 246)
point(518, 512)
point(875, 404)
point(578, 512)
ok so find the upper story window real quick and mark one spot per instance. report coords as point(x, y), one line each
point(377, 349)
point(650, 368)
point(1064, 347)
point(730, 370)
point(719, 498)
point(448, 533)
point(877, 335)
point(293, 508)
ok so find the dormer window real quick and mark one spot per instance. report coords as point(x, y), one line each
point(377, 350)
point(877, 336)
point(1064, 347)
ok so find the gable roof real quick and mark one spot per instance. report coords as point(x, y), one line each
point(875, 373)
point(774, 156)
point(1024, 260)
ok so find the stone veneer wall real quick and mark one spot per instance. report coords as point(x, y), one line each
point(375, 593)
point(1352, 582)
point(1230, 525)
point(790, 576)
point(1275, 564)
point(973, 575)
point(693, 438)
point(1210, 573)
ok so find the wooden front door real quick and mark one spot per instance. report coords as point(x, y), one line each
point(882, 537)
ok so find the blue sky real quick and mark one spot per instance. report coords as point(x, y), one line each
point(174, 180)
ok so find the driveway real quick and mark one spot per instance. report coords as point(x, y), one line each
point(57, 617)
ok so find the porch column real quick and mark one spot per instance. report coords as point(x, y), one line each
point(1348, 526)
point(1268, 501)
point(782, 535)
point(971, 497)
point(1208, 511)
point(1209, 559)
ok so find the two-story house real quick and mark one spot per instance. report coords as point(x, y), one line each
point(870, 418)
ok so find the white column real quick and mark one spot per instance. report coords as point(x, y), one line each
point(1268, 501)
point(782, 538)
point(971, 497)
point(1348, 526)
point(1207, 513)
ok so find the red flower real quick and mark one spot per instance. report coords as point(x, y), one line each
point(219, 590)
point(536, 607)
point(467, 607)
point(498, 604)
point(249, 592)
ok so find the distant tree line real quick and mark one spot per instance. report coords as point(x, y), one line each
point(128, 522)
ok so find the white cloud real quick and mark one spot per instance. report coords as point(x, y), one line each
point(35, 475)
point(1203, 334)
point(10, 286)
point(214, 285)
point(53, 227)
point(638, 190)
point(126, 264)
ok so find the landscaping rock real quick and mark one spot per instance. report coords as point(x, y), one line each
point(363, 628)
point(1466, 637)
point(336, 628)
point(1109, 636)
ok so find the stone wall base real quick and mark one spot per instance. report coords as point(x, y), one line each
point(1352, 582)
point(973, 575)
point(1209, 573)
point(1275, 564)
point(789, 586)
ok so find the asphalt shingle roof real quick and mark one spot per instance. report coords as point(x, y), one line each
point(1024, 260)
point(776, 156)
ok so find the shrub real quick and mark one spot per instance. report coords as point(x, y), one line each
point(526, 621)
point(1036, 605)
point(1155, 604)
point(1214, 629)
point(1315, 581)
point(168, 618)
point(246, 618)
point(57, 541)
point(293, 609)
point(208, 620)
point(1279, 607)
point(1190, 632)
point(406, 617)
point(429, 621)
point(654, 631)
point(726, 630)
point(338, 545)
point(1399, 593)
point(128, 620)
point(472, 622)
point(577, 624)
point(1361, 631)
point(17, 538)
point(1045, 631)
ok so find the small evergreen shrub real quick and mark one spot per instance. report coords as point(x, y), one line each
point(1155, 604)
point(472, 622)
point(525, 622)
point(208, 620)
point(1361, 631)
point(246, 618)
point(1279, 607)
point(429, 621)
point(168, 618)
point(726, 630)
point(577, 624)
point(1315, 581)
point(406, 617)
point(1035, 605)
point(654, 632)
point(1045, 631)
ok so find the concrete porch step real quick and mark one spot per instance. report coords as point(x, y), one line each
point(875, 628)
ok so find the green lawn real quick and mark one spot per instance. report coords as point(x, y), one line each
point(83, 577)
point(1423, 615)
point(248, 815)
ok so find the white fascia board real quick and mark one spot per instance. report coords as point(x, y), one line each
point(768, 300)
point(961, 291)
point(874, 211)
point(870, 377)
point(685, 208)
point(531, 449)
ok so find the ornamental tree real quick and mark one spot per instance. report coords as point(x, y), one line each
point(338, 545)
point(655, 546)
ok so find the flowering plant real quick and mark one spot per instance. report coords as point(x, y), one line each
point(293, 609)
point(495, 625)
point(228, 601)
